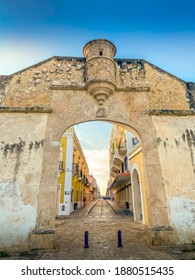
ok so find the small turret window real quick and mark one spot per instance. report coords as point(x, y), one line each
point(101, 52)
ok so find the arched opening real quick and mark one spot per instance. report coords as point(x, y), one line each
point(81, 144)
point(137, 196)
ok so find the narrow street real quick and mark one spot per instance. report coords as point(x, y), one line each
point(102, 209)
point(102, 224)
point(102, 219)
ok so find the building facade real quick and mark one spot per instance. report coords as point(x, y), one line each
point(121, 143)
point(74, 181)
point(127, 179)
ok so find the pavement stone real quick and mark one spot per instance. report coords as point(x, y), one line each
point(102, 224)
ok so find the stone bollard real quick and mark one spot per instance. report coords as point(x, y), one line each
point(120, 239)
point(86, 240)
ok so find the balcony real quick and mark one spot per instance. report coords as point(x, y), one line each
point(75, 169)
point(80, 174)
point(86, 182)
point(117, 162)
point(120, 181)
point(122, 146)
point(117, 154)
point(122, 150)
point(115, 169)
point(93, 189)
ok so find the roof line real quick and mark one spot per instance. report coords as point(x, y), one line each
point(83, 58)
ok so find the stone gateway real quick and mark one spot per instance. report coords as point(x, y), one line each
point(39, 103)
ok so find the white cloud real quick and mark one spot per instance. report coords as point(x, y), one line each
point(86, 141)
point(16, 55)
point(98, 162)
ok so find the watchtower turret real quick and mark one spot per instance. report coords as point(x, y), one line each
point(100, 68)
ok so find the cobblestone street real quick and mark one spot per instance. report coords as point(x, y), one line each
point(100, 220)
point(103, 240)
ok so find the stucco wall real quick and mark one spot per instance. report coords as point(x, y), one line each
point(22, 140)
point(176, 147)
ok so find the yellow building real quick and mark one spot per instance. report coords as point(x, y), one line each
point(119, 182)
point(80, 182)
point(73, 183)
point(94, 189)
point(138, 185)
point(127, 182)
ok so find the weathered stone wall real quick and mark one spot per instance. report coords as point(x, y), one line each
point(176, 147)
point(167, 92)
point(130, 73)
point(31, 87)
point(22, 140)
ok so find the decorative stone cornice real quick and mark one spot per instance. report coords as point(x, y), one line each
point(134, 89)
point(171, 112)
point(67, 87)
point(84, 88)
point(36, 109)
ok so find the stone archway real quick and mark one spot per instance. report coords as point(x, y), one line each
point(51, 163)
point(39, 103)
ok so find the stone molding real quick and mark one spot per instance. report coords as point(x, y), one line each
point(36, 109)
point(171, 112)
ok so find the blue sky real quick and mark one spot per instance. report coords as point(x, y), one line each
point(161, 32)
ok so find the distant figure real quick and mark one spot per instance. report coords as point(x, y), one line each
point(84, 200)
